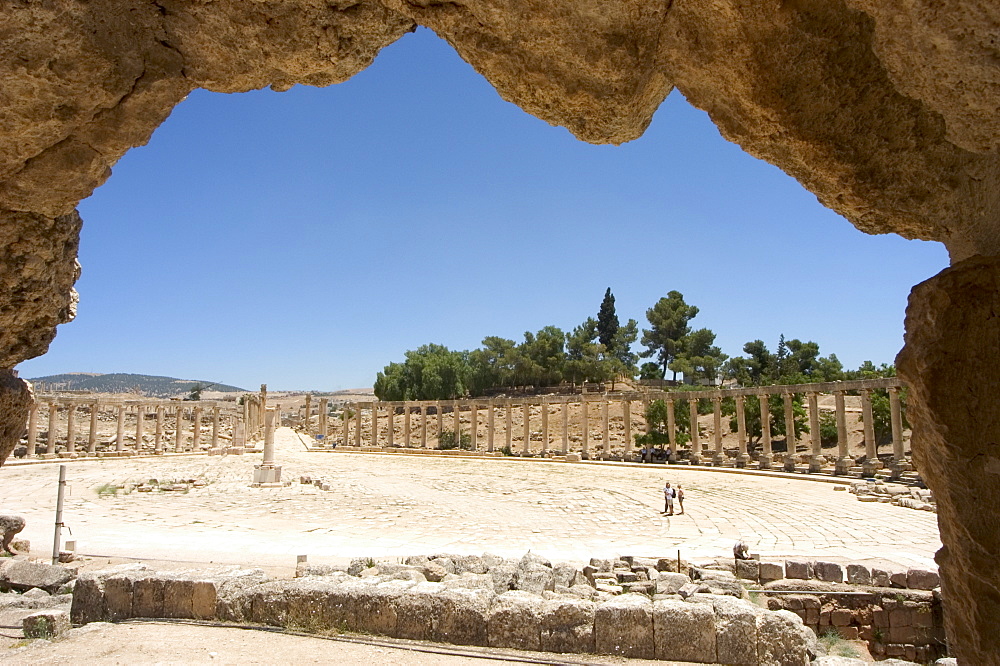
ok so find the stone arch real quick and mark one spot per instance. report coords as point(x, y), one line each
point(887, 111)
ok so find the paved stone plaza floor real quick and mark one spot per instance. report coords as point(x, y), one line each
point(388, 506)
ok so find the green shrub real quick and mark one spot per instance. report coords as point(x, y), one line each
point(447, 440)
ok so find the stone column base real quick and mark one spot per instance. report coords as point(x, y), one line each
point(764, 461)
point(815, 464)
point(789, 463)
point(843, 466)
point(695, 460)
point(869, 467)
point(266, 477)
point(719, 459)
point(742, 460)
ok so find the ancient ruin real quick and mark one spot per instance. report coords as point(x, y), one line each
point(886, 111)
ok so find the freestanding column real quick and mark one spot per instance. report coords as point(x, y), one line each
point(871, 462)
point(324, 420)
point(565, 426)
point(509, 433)
point(196, 429)
point(719, 458)
point(741, 432)
point(71, 429)
point(374, 407)
point(92, 433)
point(215, 426)
point(456, 414)
point(844, 461)
point(308, 420)
point(158, 437)
point(423, 425)
point(440, 420)
point(406, 424)
point(671, 428)
point(605, 429)
point(526, 411)
point(474, 424)
point(391, 413)
point(50, 444)
point(627, 419)
point(896, 415)
point(790, 445)
point(139, 409)
point(764, 461)
point(120, 440)
point(545, 426)
point(179, 430)
point(816, 459)
point(357, 424)
point(695, 434)
point(490, 425)
point(32, 429)
point(585, 417)
point(267, 474)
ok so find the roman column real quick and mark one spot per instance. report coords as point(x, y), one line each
point(764, 461)
point(545, 426)
point(816, 459)
point(490, 425)
point(406, 424)
point(526, 413)
point(308, 420)
point(627, 421)
point(790, 444)
point(509, 433)
point(896, 419)
point(50, 448)
point(565, 426)
point(695, 433)
point(139, 409)
point(215, 426)
point(324, 420)
point(158, 437)
point(844, 461)
point(32, 429)
point(178, 430)
point(457, 416)
point(671, 427)
point(391, 413)
point(871, 462)
point(605, 429)
point(474, 424)
point(120, 437)
point(196, 430)
point(742, 458)
point(423, 425)
point(440, 421)
point(357, 424)
point(71, 429)
point(585, 418)
point(92, 435)
point(719, 458)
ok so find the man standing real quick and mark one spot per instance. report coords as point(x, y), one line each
point(668, 499)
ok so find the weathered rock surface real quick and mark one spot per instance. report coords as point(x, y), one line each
point(24, 575)
point(45, 624)
point(684, 631)
point(624, 626)
point(959, 457)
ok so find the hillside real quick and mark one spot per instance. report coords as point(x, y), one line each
point(151, 386)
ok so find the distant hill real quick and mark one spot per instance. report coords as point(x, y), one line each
point(121, 382)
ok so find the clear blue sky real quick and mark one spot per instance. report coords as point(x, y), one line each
point(306, 239)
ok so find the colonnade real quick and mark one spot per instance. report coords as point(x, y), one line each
point(81, 435)
point(544, 427)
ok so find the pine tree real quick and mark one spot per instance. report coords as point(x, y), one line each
point(607, 321)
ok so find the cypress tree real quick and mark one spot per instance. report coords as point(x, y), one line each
point(607, 321)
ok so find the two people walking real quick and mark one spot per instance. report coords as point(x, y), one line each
point(670, 495)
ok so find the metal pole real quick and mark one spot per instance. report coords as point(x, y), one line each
point(59, 508)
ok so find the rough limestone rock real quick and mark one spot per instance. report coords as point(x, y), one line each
point(45, 624)
point(830, 572)
point(567, 626)
point(921, 579)
point(799, 569)
point(16, 398)
point(623, 626)
point(735, 630)
point(959, 457)
point(833, 660)
point(858, 574)
point(670, 583)
point(684, 631)
point(90, 602)
point(769, 571)
point(24, 575)
point(514, 621)
point(432, 613)
point(782, 640)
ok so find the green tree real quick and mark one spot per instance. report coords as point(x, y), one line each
point(623, 358)
point(585, 354)
point(650, 371)
point(607, 321)
point(668, 320)
point(698, 358)
point(544, 353)
point(431, 372)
